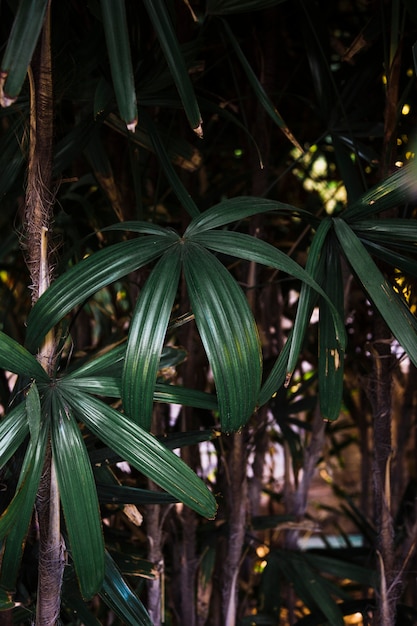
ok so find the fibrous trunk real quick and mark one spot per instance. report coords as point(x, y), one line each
point(38, 218)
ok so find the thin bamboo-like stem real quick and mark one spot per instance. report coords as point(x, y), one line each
point(38, 217)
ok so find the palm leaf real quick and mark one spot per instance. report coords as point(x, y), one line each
point(120, 494)
point(19, 511)
point(33, 411)
point(110, 386)
point(331, 357)
point(121, 599)
point(21, 44)
point(398, 188)
point(399, 261)
point(159, 16)
point(258, 88)
point(173, 394)
point(28, 485)
point(239, 208)
point(117, 38)
point(179, 151)
point(314, 267)
point(165, 161)
point(310, 587)
point(79, 498)
point(253, 249)
point(87, 277)
point(392, 230)
point(277, 375)
point(146, 335)
point(15, 358)
point(342, 569)
point(391, 307)
point(228, 332)
point(14, 428)
point(144, 452)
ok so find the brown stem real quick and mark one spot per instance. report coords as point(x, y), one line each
point(38, 217)
point(311, 456)
point(51, 547)
point(155, 555)
point(236, 499)
point(381, 400)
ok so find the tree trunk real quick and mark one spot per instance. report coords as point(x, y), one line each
point(236, 518)
point(38, 218)
point(381, 400)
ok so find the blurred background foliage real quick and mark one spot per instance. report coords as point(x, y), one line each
point(311, 104)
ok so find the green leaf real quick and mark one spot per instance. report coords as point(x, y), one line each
point(258, 87)
point(107, 386)
point(15, 358)
point(144, 452)
point(254, 249)
point(73, 602)
point(163, 392)
point(121, 599)
point(331, 356)
point(33, 411)
point(146, 336)
point(79, 498)
point(138, 226)
point(173, 394)
point(108, 362)
point(342, 569)
point(239, 208)
point(14, 428)
point(398, 188)
point(134, 565)
point(21, 44)
point(177, 440)
point(350, 174)
point(12, 160)
point(277, 375)
point(399, 261)
point(391, 307)
point(229, 334)
point(159, 16)
point(27, 488)
point(164, 159)
point(388, 230)
point(110, 359)
point(314, 267)
point(120, 494)
point(91, 274)
point(20, 509)
point(310, 587)
point(179, 151)
point(117, 38)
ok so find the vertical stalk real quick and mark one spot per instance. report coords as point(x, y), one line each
point(381, 400)
point(38, 217)
point(155, 516)
point(155, 555)
point(236, 504)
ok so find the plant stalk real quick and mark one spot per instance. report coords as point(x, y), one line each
point(38, 218)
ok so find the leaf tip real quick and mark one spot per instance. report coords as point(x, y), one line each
point(5, 100)
point(199, 130)
point(131, 126)
point(287, 379)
